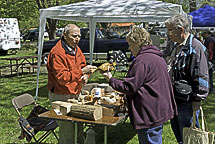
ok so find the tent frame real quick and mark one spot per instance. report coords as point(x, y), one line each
point(94, 11)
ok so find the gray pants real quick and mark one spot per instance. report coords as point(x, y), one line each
point(66, 128)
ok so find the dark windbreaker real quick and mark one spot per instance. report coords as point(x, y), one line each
point(148, 89)
point(192, 66)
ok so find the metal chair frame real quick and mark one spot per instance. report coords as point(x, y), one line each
point(25, 100)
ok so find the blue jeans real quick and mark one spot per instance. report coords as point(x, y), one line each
point(150, 135)
point(183, 119)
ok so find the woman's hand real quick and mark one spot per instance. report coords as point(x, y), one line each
point(107, 75)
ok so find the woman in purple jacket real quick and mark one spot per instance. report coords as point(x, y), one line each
point(147, 87)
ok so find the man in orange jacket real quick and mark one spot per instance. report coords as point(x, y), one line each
point(67, 73)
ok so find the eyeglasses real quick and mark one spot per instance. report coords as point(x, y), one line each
point(171, 32)
point(75, 36)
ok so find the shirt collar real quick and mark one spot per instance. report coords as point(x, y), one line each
point(68, 49)
point(72, 50)
point(185, 41)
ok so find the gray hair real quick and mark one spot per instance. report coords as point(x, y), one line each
point(69, 27)
point(179, 21)
point(139, 36)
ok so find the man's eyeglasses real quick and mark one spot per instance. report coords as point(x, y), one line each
point(75, 36)
point(171, 32)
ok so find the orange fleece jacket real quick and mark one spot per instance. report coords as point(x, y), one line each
point(64, 70)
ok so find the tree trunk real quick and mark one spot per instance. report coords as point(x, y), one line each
point(51, 28)
point(192, 5)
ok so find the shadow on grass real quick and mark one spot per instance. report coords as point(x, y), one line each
point(208, 109)
point(120, 134)
point(43, 92)
point(9, 75)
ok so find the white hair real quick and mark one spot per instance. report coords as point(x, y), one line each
point(179, 21)
point(69, 27)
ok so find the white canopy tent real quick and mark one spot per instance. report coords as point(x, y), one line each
point(93, 11)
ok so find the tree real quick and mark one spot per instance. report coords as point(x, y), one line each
point(192, 4)
point(185, 7)
point(27, 12)
point(52, 23)
point(24, 10)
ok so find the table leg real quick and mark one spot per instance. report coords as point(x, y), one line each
point(105, 134)
point(76, 132)
point(11, 68)
point(17, 67)
point(33, 64)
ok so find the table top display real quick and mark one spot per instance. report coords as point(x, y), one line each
point(92, 105)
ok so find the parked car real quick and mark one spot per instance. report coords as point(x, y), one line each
point(113, 34)
point(123, 35)
point(103, 44)
point(33, 35)
point(59, 32)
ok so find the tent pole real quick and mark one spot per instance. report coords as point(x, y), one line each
point(92, 28)
point(40, 48)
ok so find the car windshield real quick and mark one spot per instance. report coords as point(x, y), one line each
point(123, 36)
point(102, 33)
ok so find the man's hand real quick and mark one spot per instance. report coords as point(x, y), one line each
point(88, 69)
point(84, 79)
point(196, 105)
point(107, 75)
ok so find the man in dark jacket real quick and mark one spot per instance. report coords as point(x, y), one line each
point(209, 43)
point(148, 88)
point(188, 68)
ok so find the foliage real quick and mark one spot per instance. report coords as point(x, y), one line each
point(26, 12)
point(184, 4)
point(51, 23)
point(190, 5)
point(208, 2)
point(63, 23)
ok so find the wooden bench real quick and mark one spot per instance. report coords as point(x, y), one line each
point(29, 67)
point(3, 68)
point(10, 69)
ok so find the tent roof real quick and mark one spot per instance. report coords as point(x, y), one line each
point(204, 17)
point(114, 11)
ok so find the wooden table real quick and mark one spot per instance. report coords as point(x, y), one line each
point(20, 62)
point(105, 121)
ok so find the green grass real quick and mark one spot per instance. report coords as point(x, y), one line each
point(11, 87)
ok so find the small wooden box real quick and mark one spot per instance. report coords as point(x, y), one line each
point(107, 111)
point(57, 104)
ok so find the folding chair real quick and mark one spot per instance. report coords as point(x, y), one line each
point(121, 61)
point(31, 125)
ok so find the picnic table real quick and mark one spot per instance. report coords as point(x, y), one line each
point(15, 63)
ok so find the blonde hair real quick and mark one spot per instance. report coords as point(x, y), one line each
point(139, 36)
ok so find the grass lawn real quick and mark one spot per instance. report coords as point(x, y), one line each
point(11, 87)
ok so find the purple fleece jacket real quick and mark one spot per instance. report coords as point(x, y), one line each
point(148, 89)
